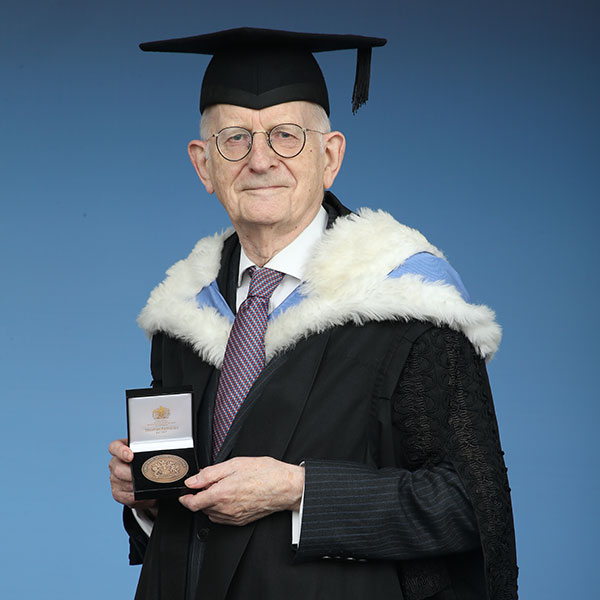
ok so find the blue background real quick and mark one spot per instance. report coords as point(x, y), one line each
point(482, 130)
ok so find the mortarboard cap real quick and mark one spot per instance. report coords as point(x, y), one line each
point(257, 68)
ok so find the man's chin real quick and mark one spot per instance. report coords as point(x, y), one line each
point(262, 220)
point(267, 205)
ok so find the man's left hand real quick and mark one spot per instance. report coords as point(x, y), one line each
point(244, 489)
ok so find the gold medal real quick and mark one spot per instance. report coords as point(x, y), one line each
point(165, 468)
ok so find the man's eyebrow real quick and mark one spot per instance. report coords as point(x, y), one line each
point(279, 122)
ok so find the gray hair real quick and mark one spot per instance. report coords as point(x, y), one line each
point(319, 119)
point(205, 123)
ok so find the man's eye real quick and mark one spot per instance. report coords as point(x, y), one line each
point(238, 138)
point(283, 136)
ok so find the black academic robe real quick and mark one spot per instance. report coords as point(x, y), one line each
point(406, 493)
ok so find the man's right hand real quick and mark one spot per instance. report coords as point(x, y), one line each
point(120, 477)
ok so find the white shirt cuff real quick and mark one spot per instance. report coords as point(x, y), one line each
point(144, 521)
point(297, 520)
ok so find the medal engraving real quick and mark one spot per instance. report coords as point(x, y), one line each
point(165, 468)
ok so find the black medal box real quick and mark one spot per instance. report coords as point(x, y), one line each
point(160, 434)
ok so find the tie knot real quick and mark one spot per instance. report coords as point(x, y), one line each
point(263, 281)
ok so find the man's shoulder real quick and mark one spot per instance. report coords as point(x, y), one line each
point(366, 267)
point(431, 268)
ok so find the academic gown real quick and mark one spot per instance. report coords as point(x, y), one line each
point(377, 383)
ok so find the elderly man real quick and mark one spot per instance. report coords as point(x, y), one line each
point(345, 427)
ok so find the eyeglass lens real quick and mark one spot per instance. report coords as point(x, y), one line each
point(287, 140)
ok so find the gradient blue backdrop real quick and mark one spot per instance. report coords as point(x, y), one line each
point(482, 130)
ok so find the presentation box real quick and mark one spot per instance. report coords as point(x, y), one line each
point(160, 435)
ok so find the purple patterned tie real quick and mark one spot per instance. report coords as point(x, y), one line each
point(245, 353)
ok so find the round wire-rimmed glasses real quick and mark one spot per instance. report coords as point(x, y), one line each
point(286, 140)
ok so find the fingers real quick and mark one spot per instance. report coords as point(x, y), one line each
point(119, 449)
point(220, 509)
point(123, 497)
point(210, 475)
point(244, 489)
point(221, 504)
point(119, 463)
point(201, 500)
point(235, 519)
point(120, 477)
point(120, 472)
point(191, 502)
point(122, 490)
point(217, 488)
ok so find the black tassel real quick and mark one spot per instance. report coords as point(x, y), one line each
point(362, 79)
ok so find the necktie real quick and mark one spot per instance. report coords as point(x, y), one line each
point(245, 352)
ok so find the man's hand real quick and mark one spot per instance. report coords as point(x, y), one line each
point(120, 477)
point(244, 489)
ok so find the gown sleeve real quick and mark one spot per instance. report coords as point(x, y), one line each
point(449, 496)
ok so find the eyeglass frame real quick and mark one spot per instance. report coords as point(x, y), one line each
point(268, 134)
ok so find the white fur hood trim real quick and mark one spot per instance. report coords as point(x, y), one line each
point(345, 281)
point(172, 306)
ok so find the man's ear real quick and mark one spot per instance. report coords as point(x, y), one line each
point(198, 151)
point(334, 148)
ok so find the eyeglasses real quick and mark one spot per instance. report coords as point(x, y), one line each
point(287, 140)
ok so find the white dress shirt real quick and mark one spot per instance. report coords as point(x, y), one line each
point(290, 261)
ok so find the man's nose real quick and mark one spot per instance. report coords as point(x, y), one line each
point(262, 156)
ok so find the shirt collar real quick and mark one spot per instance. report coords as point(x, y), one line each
point(292, 259)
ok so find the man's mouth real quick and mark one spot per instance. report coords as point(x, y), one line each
point(260, 188)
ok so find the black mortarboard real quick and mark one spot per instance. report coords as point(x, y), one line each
point(257, 68)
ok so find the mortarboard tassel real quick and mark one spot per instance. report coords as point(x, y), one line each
point(360, 94)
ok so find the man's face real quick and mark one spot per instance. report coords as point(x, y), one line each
point(264, 190)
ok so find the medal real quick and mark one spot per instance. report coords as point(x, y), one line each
point(165, 468)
